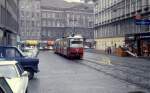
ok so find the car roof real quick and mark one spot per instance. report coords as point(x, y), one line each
point(8, 62)
point(7, 46)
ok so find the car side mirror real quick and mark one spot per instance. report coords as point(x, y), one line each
point(25, 73)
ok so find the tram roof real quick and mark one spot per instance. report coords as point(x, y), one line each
point(75, 36)
point(70, 37)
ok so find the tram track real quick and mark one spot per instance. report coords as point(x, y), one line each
point(122, 68)
point(140, 68)
point(120, 72)
point(131, 60)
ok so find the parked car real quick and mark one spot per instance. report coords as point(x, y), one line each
point(29, 64)
point(40, 48)
point(4, 86)
point(30, 52)
point(16, 77)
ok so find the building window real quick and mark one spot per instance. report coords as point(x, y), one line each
point(53, 15)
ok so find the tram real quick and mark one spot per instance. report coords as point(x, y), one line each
point(71, 46)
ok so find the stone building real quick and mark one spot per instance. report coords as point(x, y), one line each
point(87, 1)
point(52, 23)
point(66, 19)
point(30, 19)
point(8, 22)
point(116, 18)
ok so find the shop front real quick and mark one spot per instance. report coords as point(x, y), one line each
point(103, 43)
point(139, 43)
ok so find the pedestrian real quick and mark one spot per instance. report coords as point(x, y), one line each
point(107, 49)
point(115, 45)
point(110, 51)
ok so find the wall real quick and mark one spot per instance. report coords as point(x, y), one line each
point(8, 21)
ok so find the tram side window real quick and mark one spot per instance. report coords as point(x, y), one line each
point(65, 43)
point(68, 43)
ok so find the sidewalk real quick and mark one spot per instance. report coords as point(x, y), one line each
point(112, 54)
point(99, 52)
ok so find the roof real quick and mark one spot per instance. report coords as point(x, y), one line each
point(75, 36)
point(8, 46)
point(54, 3)
point(63, 5)
point(4, 62)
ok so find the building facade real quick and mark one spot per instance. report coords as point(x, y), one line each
point(80, 20)
point(52, 23)
point(87, 1)
point(59, 22)
point(30, 19)
point(116, 18)
point(8, 22)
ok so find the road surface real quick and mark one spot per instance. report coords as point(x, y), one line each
point(96, 73)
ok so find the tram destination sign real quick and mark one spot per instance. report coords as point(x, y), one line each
point(142, 22)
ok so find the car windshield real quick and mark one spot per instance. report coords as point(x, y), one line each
point(76, 42)
point(8, 71)
point(27, 50)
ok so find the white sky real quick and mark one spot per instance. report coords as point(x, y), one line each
point(72, 0)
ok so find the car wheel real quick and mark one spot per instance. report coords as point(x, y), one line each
point(31, 74)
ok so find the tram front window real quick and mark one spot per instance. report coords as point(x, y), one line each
point(76, 44)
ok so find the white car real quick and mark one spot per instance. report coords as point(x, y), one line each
point(15, 76)
point(30, 52)
point(4, 87)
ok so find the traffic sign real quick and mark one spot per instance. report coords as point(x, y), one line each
point(142, 22)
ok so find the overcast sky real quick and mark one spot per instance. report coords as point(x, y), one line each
point(58, 3)
point(72, 0)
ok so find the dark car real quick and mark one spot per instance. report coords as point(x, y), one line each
point(13, 53)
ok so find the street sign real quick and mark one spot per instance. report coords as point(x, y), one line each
point(142, 22)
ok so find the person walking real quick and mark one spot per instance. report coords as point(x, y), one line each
point(110, 50)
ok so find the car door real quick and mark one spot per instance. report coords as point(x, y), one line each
point(23, 79)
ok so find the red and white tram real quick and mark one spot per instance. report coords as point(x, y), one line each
point(71, 47)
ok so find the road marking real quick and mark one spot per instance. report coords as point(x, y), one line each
point(105, 61)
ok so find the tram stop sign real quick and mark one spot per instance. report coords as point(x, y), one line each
point(142, 21)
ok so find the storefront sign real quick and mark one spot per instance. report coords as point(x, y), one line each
point(145, 37)
point(32, 42)
point(142, 22)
